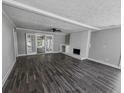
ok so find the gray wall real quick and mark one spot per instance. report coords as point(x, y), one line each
point(58, 39)
point(8, 53)
point(79, 40)
point(21, 38)
point(67, 39)
point(106, 46)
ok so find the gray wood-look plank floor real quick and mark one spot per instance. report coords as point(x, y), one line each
point(58, 73)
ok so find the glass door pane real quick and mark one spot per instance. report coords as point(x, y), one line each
point(40, 43)
point(49, 43)
point(31, 45)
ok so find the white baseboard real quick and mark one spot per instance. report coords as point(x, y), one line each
point(36, 53)
point(74, 56)
point(104, 63)
point(56, 52)
point(8, 73)
point(21, 55)
point(26, 54)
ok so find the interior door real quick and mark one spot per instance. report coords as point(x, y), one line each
point(31, 43)
point(48, 43)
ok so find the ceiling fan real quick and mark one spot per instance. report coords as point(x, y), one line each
point(55, 30)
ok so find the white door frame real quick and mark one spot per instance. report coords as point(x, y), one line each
point(36, 39)
point(15, 42)
point(38, 34)
point(26, 44)
point(52, 44)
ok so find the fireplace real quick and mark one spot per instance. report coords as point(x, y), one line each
point(76, 51)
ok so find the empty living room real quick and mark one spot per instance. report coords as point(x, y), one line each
point(61, 46)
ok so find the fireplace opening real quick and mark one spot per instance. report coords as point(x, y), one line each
point(76, 51)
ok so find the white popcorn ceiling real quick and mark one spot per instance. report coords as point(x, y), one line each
point(98, 13)
point(29, 20)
